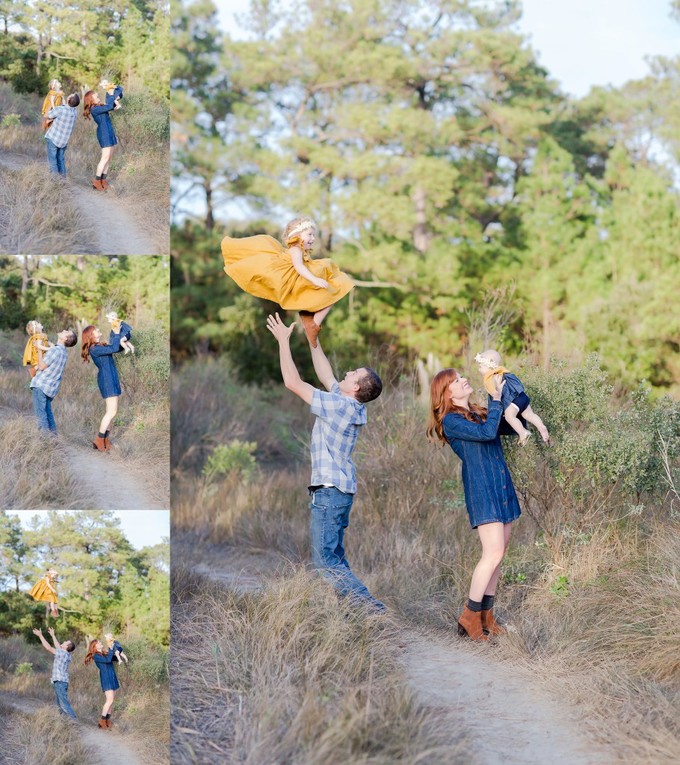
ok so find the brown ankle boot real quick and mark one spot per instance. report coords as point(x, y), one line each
point(97, 184)
point(490, 625)
point(310, 326)
point(99, 443)
point(102, 723)
point(470, 624)
point(107, 443)
point(108, 722)
point(105, 184)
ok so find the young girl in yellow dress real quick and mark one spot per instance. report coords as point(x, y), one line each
point(36, 345)
point(286, 274)
point(45, 590)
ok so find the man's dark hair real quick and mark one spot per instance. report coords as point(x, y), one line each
point(73, 100)
point(71, 647)
point(370, 386)
point(72, 340)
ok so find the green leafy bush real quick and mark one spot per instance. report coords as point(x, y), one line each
point(235, 458)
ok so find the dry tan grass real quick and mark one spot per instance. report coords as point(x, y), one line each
point(40, 738)
point(288, 677)
point(595, 604)
point(37, 215)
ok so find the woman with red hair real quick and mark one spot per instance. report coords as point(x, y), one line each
point(107, 378)
point(101, 114)
point(107, 677)
point(490, 498)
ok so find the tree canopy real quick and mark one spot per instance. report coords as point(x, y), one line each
point(442, 164)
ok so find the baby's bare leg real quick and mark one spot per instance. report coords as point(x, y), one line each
point(513, 421)
point(319, 316)
point(531, 416)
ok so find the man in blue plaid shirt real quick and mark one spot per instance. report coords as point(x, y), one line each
point(59, 132)
point(45, 384)
point(340, 411)
point(62, 658)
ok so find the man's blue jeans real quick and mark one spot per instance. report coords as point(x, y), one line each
point(42, 408)
point(61, 692)
point(56, 158)
point(330, 509)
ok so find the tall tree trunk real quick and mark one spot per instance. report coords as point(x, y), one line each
point(421, 236)
point(209, 217)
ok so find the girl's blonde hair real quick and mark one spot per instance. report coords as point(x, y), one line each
point(31, 327)
point(52, 83)
point(294, 230)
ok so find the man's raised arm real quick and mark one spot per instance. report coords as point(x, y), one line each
point(291, 376)
point(322, 366)
point(46, 645)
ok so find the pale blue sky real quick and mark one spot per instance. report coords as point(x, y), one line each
point(580, 42)
point(142, 528)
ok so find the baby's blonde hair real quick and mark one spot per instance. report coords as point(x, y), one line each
point(294, 229)
point(32, 327)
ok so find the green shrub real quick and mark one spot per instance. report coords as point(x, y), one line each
point(24, 668)
point(10, 120)
point(235, 458)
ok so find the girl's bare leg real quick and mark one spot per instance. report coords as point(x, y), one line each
point(494, 543)
point(111, 411)
point(531, 416)
point(319, 316)
point(513, 421)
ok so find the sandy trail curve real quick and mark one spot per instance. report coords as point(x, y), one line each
point(108, 746)
point(519, 720)
point(101, 212)
point(111, 481)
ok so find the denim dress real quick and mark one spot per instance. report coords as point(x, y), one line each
point(107, 376)
point(107, 674)
point(489, 493)
point(100, 114)
point(513, 393)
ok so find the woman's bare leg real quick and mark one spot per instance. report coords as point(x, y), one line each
point(110, 695)
point(493, 582)
point(103, 165)
point(493, 539)
point(111, 411)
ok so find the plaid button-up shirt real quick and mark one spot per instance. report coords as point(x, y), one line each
point(62, 659)
point(60, 130)
point(338, 419)
point(49, 380)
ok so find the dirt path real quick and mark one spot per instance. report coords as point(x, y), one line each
point(519, 720)
point(101, 213)
point(111, 481)
point(105, 746)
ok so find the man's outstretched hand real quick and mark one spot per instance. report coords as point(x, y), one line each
point(276, 326)
point(38, 633)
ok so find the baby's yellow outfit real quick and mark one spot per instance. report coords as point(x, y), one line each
point(40, 590)
point(31, 352)
point(58, 101)
point(263, 267)
point(488, 378)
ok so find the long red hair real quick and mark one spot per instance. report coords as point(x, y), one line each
point(441, 405)
point(92, 650)
point(88, 341)
point(88, 103)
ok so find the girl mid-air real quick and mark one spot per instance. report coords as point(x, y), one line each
point(286, 274)
point(45, 590)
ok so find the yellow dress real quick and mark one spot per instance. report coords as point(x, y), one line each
point(58, 101)
point(31, 352)
point(40, 590)
point(263, 267)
